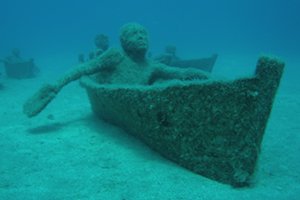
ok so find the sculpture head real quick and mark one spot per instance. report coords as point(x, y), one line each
point(170, 49)
point(101, 42)
point(134, 40)
point(16, 52)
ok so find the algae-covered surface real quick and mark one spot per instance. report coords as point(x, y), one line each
point(68, 153)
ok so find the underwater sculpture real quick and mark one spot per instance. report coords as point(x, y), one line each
point(129, 66)
point(214, 128)
point(101, 42)
point(16, 67)
point(170, 58)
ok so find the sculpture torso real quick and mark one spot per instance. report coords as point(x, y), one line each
point(127, 72)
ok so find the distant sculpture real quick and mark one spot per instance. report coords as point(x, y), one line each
point(101, 42)
point(170, 58)
point(17, 67)
point(15, 57)
point(81, 58)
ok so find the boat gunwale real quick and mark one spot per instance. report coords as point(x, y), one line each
point(89, 83)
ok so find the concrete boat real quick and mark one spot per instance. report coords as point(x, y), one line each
point(214, 128)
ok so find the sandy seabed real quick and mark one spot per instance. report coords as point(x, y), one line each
point(66, 153)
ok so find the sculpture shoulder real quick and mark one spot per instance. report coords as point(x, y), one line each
point(157, 66)
point(111, 57)
point(108, 61)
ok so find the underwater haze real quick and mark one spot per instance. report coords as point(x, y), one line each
point(197, 28)
point(67, 153)
point(194, 26)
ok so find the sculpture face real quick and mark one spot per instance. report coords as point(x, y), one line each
point(134, 40)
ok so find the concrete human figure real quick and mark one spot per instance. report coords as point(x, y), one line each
point(15, 57)
point(126, 66)
point(136, 68)
point(102, 43)
point(169, 56)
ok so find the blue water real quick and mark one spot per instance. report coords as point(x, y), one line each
point(206, 26)
point(235, 29)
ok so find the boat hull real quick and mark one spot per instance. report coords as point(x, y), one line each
point(214, 128)
point(21, 70)
point(205, 64)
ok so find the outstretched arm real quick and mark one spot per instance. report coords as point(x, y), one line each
point(163, 72)
point(47, 93)
point(109, 59)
